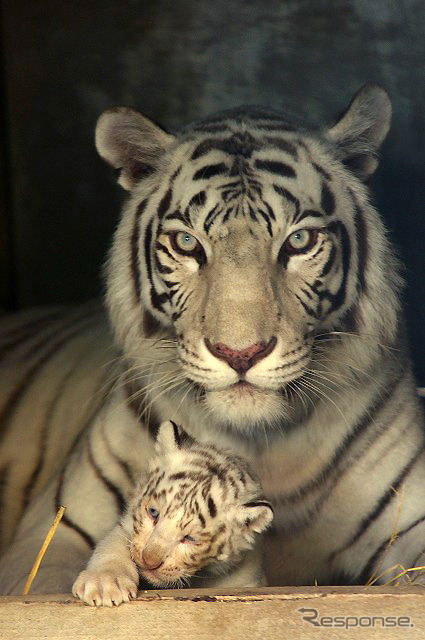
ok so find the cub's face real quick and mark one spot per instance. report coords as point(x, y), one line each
point(198, 507)
point(245, 240)
point(173, 539)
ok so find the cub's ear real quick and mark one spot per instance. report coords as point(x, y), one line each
point(362, 128)
point(171, 437)
point(130, 142)
point(256, 515)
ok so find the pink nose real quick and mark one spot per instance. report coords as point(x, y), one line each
point(242, 360)
point(151, 562)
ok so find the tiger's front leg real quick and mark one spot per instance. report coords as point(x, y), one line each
point(93, 488)
point(111, 576)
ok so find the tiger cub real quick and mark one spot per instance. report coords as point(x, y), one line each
point(197, 507)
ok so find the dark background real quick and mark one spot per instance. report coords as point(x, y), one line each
point(63, 63)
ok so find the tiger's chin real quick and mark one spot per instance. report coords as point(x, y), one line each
point(245, 407)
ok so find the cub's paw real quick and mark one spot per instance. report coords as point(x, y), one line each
point(104, 588)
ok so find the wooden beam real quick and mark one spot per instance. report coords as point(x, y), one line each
point(268, 613)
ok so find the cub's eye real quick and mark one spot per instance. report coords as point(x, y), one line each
point(154, 513)
point(188, 539)
point(187, 245)
point(300, 241)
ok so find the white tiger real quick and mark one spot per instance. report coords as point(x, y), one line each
point(254, 297)
point(198, 507)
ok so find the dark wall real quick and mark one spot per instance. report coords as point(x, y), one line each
point(65, 62)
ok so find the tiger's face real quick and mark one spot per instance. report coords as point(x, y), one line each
point(250, 278)
point(248, 241)
point(197, 507)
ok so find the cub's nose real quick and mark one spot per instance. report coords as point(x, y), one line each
point(151, 561)
point(244, 359)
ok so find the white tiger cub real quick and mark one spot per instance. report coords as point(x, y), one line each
point(197, 507)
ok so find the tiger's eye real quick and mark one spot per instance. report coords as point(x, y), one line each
point(300, 241)
point(188, 538)
point(184, 242)
point(154, 513)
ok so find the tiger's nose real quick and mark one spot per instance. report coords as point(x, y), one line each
point(151, 561)
point(244, 359)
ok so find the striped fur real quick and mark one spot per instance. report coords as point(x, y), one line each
point(254, 296)
point(198, 507)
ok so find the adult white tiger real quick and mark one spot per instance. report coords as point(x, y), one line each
point(254, 295)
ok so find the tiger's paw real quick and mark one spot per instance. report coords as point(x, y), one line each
point(104, 588)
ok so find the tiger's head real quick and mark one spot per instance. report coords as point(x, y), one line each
point(249, 247)
point(198, 506)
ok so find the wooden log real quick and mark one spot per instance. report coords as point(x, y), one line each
point(268, 613)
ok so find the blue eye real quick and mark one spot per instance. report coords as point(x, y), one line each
point(186, 241)
point(301, 241)
point(154, 513)
point(186, 244)
point(188, 539)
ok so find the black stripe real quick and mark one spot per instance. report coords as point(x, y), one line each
point(288, 196)
point(134, 251)
point(321, 170)
point(176, 434)
point(86, 536)
point(259, 503)
point(308, 213)
point(329, 262)
point(368, 418)
point(136, 401)
point(338, 299)
point(164, 203)
point(210, 170)
point(269, 210)
point(26, 494)
point(362, 245)
point(283, 145)
point(311, 312)
point(4, 473)
point(157, 299)
point(176, 215)
point(22, 333)
point(252, 213)
point(198, 200)
point(386, 497)
point(119, 498)
point(211, 507)
point(241, 144)
point(267, 221)
point(164, 249)
point(210, 218)
point(23, 385)
point(211, 128)
point(162, 268)
point(276, 127)
point(58, 503)
point(124, 466)
point(327, 199)
point(273, 166)
point(373, 560)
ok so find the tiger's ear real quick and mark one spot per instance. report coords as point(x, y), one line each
point(256, 515)
point(171, 437)
point(130, 142)
point(362, 128)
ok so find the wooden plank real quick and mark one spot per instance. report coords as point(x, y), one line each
point(269, 613)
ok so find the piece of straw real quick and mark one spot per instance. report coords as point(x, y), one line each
point(43, 549)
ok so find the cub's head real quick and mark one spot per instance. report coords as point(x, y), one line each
point(249, 246)
point(198, 507)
